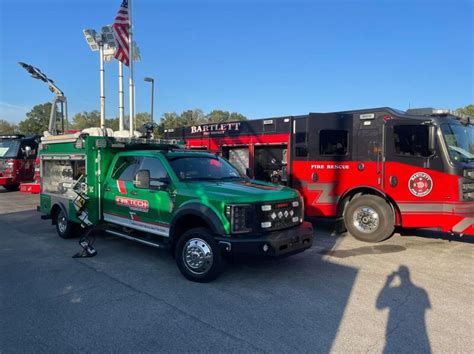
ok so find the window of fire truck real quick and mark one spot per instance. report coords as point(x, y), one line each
point(59, 176)
point(204, 169)
point(411, 140)
point(460, 141)
point(9, 148)
point(333, 142)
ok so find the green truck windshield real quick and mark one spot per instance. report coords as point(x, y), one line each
point(203, 168)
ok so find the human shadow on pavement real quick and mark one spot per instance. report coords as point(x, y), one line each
point(407, 305)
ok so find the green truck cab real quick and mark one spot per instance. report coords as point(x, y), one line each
point(195, 203)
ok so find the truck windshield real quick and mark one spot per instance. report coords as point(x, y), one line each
point(460, 141)
point(9, 148)
point(204, 168)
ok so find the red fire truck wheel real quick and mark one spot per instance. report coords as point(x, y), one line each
point(369, 218)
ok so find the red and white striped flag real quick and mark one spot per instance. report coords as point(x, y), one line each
point(121, 27)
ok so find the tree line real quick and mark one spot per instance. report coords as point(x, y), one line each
point(37, 120)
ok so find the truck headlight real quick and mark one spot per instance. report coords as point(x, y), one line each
point(469, 173)
point(468, 186)
point(239, 216)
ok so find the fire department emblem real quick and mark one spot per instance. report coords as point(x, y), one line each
point(420, 184)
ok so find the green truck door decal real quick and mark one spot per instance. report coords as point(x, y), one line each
point(141, 209)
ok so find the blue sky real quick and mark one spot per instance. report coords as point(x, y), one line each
point(259, 58)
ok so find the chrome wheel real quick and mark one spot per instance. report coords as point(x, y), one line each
point(197, 256)
point(366, 220)
point(62, 222)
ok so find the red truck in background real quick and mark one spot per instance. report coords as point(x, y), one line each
point(372, 169)
point(17, 160)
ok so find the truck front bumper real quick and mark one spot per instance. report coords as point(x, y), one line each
point(276, 244)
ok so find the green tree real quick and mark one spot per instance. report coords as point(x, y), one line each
point(85, 120)
point(142, 118)
point(168, 120)
point(7, 127)
point(234, 116)
point(218, 116)
point(191, 117)
point(469, 110)
point(37, 120)
point(112, 123)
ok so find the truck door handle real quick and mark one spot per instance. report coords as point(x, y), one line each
point(107, 189)
point(133, 193)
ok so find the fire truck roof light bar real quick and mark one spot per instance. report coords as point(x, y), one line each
point(437, 112)
point(16, 136)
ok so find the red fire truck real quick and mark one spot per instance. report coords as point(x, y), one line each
point(372, 169)
point(17, 160)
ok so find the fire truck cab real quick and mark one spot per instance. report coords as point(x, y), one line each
point(17, 159)
point(373, 169)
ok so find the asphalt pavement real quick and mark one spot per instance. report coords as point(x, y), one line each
point(411, 293)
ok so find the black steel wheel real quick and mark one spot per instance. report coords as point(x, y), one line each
point(65, 228)
point(369, 218)
point(197, 255)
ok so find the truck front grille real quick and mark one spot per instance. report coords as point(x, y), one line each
point(279, 215)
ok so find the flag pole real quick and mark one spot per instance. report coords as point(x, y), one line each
point(102, 84)
point(131, 94)
point(121, 103)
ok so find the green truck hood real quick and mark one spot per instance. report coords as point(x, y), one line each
point(241, 191)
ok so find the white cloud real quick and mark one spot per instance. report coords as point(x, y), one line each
point(12, 113)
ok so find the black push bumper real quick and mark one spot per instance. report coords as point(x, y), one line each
point(276, 243)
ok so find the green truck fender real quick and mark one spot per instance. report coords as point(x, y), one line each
point(195, 214)
point(55, 210)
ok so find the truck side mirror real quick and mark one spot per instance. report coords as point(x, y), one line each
point(431, 139)
point(142, 179)
point(27, 151)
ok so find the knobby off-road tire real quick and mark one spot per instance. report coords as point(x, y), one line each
point(369, 218)
point(65, 228)
point(197, 255)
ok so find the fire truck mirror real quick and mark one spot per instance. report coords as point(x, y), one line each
point(431, 139)
point(27, 151)
point(142, 179)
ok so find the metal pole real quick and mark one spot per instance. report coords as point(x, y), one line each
point(102, 85)
point(152, 97)
point(130, 81)
point(121, 104)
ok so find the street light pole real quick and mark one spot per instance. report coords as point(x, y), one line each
point(149, 79)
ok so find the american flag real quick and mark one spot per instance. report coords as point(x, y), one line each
point(121, 26)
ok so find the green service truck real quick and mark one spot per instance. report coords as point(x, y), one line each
point(194, 203)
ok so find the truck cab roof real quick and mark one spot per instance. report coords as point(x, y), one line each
point(172, 154)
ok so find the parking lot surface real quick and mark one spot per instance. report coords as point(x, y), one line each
point(407, 294)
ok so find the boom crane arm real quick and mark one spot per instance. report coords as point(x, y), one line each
point(60, 98)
